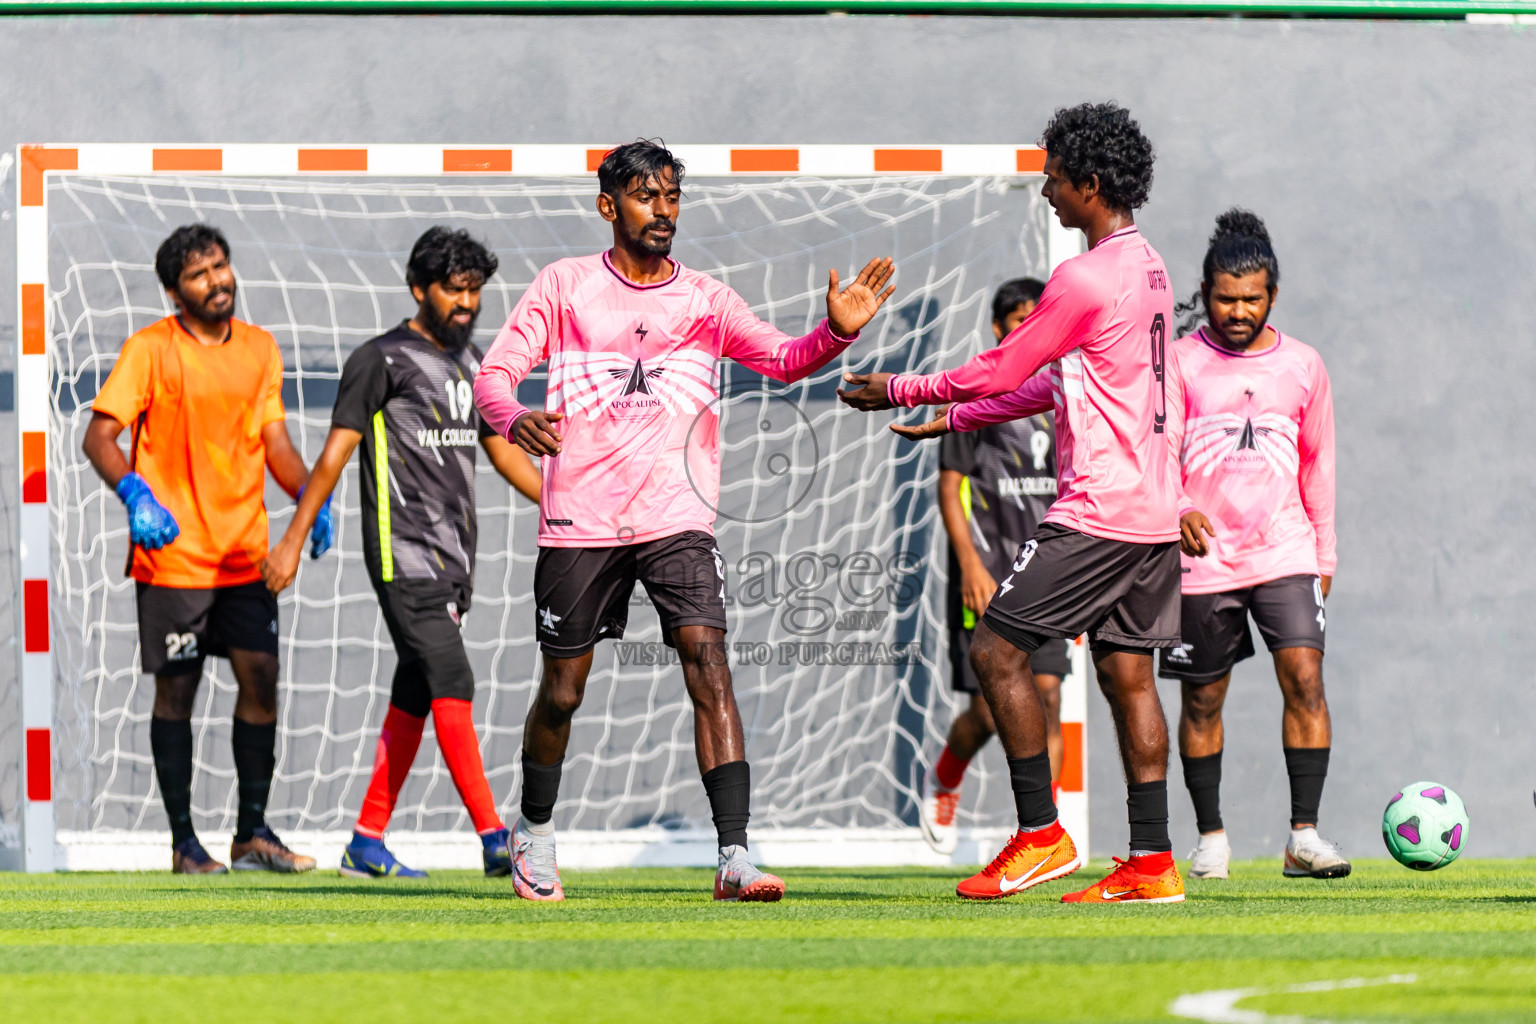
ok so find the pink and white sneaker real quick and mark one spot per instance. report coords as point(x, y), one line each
point(535, 875)
point(739, 880)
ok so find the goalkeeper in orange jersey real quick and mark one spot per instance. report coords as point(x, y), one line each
point(407, 398)
point(201, 393)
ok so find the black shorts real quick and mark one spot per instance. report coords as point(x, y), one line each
point(1289, 613)
point(581, 595)
point(1050, 659)
point(180, 626)
point(424, 617)
point(1125, 596)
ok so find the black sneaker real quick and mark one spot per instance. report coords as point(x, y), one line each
point(189, 858)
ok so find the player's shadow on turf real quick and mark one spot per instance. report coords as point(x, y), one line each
point(403, 887)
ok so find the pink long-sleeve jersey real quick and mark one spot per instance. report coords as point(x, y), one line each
point(1101, 325)
point(634, 369)
point(1254, 436)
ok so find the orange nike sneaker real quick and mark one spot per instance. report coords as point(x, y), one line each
point(1150, 878)
point(1029, 859)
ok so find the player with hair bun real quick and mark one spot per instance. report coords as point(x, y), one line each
point(1251, 414)
point(1105, 561)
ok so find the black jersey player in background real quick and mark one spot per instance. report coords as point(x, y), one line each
point(407, 398)
point(995, 485)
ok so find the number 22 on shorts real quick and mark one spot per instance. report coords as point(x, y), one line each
point(180, 646)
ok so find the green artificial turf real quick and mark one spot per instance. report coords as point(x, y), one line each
point(648, 946)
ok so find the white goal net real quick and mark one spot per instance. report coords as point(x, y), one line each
point(834, 548)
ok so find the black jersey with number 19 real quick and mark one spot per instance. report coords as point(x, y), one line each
point(413, 402)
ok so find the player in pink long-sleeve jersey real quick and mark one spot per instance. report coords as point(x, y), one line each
point(1251, 418)
point(631, 476)
point(1105, 560)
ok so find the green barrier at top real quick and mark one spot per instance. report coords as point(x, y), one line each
point(1434, 9)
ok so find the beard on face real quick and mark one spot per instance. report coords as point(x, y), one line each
point(658, 246)
point(1225, 329)
point(201, 311)
point(450, 335)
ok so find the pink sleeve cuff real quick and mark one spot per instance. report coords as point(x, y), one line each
point(496, 398)
point(898, 388)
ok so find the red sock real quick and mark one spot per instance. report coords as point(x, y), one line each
point(398, 740)
point(1152, 863)
point(950, 770)
point(461, 749)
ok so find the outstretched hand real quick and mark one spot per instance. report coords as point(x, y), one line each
point(868, 392)
point(936, 427)
point(851, 308)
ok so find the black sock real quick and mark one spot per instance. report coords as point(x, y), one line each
point(729, 788)
point(1202, 776)
point(1031, 780)
point(255, 748)
point(1307, 767)
point(1146, 805)
point(171, 744)
point(541, 787)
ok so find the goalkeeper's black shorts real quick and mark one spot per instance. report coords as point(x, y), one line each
point(180, 626)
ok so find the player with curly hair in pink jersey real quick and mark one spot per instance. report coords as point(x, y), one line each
point(629, 438)
point(1105, 561)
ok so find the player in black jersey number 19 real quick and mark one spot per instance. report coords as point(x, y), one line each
point(406, 397)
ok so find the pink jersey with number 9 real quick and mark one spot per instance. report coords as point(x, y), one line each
point(1102, 325)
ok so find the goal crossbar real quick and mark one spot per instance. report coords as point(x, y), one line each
point(44, 847)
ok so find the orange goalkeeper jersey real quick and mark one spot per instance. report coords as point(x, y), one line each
point(200, 447)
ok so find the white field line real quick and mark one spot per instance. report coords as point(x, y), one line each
point(1219, 1006)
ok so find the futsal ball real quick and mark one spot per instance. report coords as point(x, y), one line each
point(1425, 826)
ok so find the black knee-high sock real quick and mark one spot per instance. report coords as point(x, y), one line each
point(1031, 781)
point(729, 788)
point(1202, 776)
point(1146, 805)
point(1308, 768)
point(541, 787)
point(171, 744)
point(255, 748)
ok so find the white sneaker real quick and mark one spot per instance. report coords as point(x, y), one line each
point(1309, 855)
point(936, 814)
point(535, 875)
point(738, 879)
point(1210, 857)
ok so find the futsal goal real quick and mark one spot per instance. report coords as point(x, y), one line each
point(834, 550)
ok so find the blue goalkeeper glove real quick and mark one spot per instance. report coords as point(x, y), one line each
point(150, 525)
point(323, 534)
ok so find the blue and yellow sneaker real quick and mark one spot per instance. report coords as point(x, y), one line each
point(497, 851)
point(367, 857)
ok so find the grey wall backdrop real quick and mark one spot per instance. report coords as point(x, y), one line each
point(1395, 163)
